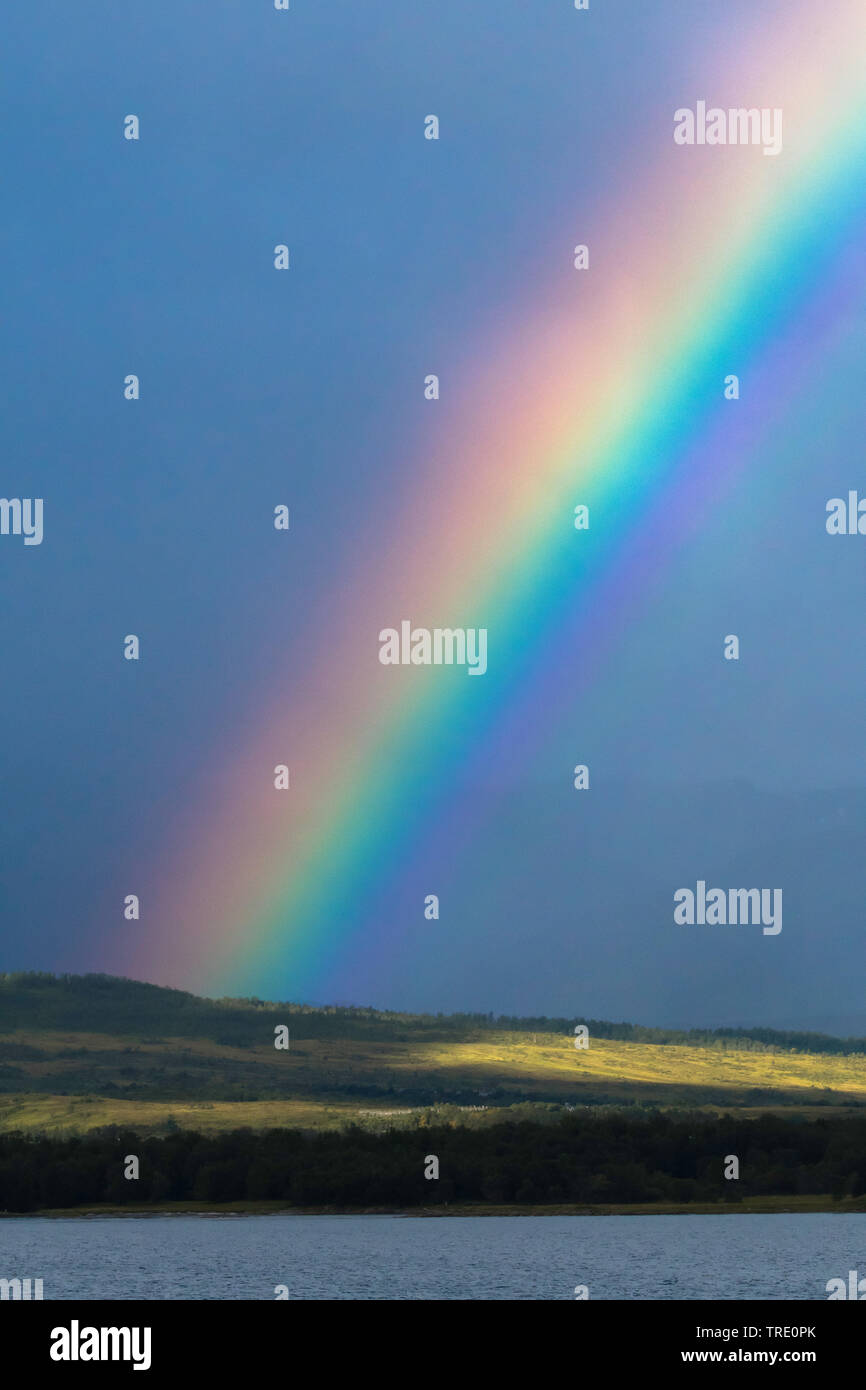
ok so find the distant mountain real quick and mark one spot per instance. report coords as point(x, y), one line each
point(111, 1005)
point(83, 1052)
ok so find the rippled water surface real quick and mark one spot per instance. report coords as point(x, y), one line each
point(392, 1257)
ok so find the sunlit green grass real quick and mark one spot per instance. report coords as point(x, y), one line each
point(304, 1086)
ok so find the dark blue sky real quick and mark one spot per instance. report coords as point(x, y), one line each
point(155, 257)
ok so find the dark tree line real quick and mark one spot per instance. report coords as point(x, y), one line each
point(580, 1159)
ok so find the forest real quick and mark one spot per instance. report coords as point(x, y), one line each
point(586, 1158)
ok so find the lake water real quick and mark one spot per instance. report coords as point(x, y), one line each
point(392, 1257)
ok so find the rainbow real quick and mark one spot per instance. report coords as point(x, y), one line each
point(605, 389)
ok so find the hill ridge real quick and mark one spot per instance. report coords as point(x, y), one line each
point(55, 1002)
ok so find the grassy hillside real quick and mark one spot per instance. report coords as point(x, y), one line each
point(79, 1053)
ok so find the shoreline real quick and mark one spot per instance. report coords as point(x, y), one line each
point(765, 1206)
